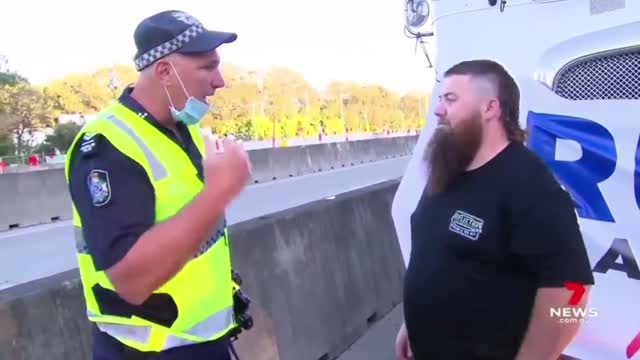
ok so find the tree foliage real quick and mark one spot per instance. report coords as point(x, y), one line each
point(253, 105)
point(7, 76)
point(61, 138)
point(23, 109)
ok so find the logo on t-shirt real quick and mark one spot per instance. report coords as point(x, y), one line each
point(466, 225)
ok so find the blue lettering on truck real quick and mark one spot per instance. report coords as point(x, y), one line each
point(580, 177)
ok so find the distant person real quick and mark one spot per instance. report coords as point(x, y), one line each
point(494, 237)
point(33, 160)
point(149, 194)
point(3, 165)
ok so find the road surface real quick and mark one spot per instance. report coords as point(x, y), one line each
point(378, 343)
point(49, 249)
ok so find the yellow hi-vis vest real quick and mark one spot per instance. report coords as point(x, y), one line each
point(202, 290)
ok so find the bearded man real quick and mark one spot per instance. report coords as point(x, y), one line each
point(495, 238)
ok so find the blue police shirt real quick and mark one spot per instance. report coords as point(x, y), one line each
point(116, 202)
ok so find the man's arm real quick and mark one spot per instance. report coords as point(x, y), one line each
point(163, 250)
point(119, 229)
point(547, 241)
point(547, 336)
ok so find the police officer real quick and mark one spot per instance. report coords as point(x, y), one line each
point(149, 193)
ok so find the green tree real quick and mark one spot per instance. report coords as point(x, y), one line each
point(11, 78)
point(23, 109)
point(61, 138)
point(252, 105)
point(7, 76)
point(78, 93)
point(6, 145)
point(115, 79)
point(89, 92)
point(288, 93)
point(234, 106)
point(414, 109)
point(262, 128)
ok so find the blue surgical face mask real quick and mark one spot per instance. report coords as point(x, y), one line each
point(194, 110)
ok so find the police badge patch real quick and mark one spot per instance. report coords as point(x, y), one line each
point(99, 187)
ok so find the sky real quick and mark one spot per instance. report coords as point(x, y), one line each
point(354, 40)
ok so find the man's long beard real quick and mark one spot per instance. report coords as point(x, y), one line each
point(450, 151)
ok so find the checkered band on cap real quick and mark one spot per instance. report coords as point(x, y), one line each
point(167, 48)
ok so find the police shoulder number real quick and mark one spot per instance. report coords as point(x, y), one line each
point(89, 144)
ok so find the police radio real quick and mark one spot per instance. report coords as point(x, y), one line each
point(241, 304)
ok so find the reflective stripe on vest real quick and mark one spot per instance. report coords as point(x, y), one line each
point(158, 171)
point(81, 244)
point(82, 248)
point(141, 334)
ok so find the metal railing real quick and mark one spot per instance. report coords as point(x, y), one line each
point(32, 162)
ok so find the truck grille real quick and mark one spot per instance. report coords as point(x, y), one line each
point(603, 6)
point(601, 77)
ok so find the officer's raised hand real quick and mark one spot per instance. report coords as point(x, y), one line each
point(226, 167)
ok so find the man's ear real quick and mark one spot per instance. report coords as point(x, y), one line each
point(492, 109)
point(162, 71)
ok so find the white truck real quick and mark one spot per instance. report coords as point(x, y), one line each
point(577, 63)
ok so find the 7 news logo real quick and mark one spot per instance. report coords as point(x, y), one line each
point(573, 313)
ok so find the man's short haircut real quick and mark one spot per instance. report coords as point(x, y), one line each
point(505, 87)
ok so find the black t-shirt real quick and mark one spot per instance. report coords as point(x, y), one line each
point(115, 218)
point(479, 253)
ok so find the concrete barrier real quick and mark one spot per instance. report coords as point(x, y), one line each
point(33, 198)
point(278, 163)
point(319, 276)
point(39, 197)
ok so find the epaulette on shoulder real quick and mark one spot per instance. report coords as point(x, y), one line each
point(89, 143)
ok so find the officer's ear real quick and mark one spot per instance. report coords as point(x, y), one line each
point(163, 71)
